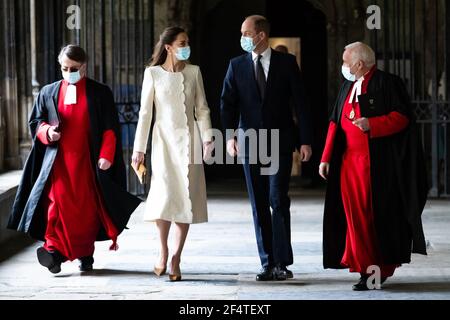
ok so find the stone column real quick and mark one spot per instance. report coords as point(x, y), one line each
point(12, 159)
point(26, 106)
point(2, 136)
point(26, 100)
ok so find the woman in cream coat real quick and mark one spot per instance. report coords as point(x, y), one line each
point(177, 188)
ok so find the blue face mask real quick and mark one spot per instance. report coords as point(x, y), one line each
point(72, 77)
point(247, 44)
point(183, 53)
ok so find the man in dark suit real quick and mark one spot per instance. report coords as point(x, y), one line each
point(257, 92)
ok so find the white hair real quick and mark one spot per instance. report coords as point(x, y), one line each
point(361, 51)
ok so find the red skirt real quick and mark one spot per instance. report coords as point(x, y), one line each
point(361, 250)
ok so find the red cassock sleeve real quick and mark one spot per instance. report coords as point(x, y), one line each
point(108, 148)
point(328, 150)
point(389, 124)
point(42, 133)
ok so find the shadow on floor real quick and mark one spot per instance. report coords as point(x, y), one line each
point(116, 272)
point(437, 287)
point(199, 281)
point(13, 246)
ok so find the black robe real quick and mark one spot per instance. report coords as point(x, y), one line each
point(398, 179)
point(28, 214)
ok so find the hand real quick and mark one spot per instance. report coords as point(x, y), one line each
point(362, 123)
point(52, 134)
point(305, 153)
point(137, 158)
point(208, 148)
point(324, 168)
point(104, 164)
point(232, 147)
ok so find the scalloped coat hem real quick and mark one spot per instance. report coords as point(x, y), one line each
point(177, 186)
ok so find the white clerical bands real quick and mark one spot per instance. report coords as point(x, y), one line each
point(71, 95)
point(356, 91)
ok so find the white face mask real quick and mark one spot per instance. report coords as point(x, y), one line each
point(347, 74)
point(71, 77)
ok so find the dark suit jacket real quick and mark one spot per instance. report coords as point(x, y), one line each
point(242, 106)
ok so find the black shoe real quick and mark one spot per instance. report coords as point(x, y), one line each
point(361, 285)
point(279, 274)
point(86, 264)
point(50, 259)
point(288, 272)
point(266, 274)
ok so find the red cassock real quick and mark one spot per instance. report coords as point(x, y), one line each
point(75, 207)
point(361, 248)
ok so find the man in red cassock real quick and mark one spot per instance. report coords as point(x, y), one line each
point(375, 170)
point(73, 190)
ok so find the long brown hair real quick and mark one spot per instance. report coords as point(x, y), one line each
point(168, 36)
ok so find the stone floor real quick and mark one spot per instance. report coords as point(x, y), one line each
point(220, 261)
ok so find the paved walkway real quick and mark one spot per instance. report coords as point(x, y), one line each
point(220, 261)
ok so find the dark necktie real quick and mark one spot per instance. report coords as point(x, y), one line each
point(260, 77)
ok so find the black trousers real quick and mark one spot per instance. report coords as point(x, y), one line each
point(272, 229)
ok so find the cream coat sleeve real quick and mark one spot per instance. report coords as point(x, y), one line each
point(202, 112)
point(145, 113)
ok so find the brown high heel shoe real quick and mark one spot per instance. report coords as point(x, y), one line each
point(159, 271)
point(175, 276)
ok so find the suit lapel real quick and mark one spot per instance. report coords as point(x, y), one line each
point(273, 67)
point(250, 74)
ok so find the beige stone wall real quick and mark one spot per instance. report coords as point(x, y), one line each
point(172, 13)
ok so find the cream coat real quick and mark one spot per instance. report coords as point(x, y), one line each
point(177, 187)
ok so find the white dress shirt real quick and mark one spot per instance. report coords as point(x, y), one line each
point(265, 60)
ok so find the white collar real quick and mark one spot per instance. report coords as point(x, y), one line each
point(71, 94)
point(265, 55)
point(356, 91)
